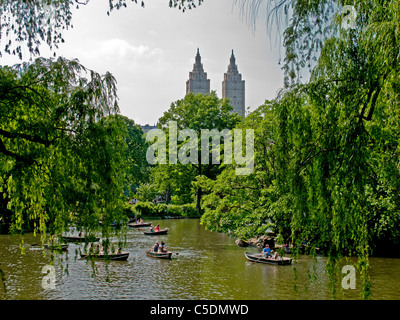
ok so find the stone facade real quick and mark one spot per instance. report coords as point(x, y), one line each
point(233, 87)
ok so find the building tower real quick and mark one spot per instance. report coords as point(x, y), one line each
point(198, 82)
point(233, 87)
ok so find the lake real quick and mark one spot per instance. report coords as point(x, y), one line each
point(205, 265)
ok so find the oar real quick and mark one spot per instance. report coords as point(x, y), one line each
point(36, 246)
point(83, 256)
point(259, 258)
point(262, 257)
point(141, 255)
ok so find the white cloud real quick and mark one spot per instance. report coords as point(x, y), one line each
point(119, 48)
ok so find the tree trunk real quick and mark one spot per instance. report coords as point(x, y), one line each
point(198, 202)
point(168, 195)
point(198, 205)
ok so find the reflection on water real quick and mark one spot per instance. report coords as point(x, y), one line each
point(205, 265)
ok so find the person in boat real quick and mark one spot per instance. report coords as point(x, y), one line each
point(119, 251)
point(157, 228)
point(267, 251)
point(156, 246)
point(163, 247)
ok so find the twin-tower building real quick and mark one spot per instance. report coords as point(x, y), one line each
point(233, 87)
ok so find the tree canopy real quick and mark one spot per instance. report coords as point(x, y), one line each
point(200, 112)
point(327, 165)
point(61, 146)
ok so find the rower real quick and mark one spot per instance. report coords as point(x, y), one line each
point(267, 251)
point(163, 247)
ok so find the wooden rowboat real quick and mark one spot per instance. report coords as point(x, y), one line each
point(160, 255)
point(157, 233)
point(258, 257)
point(117, 256)
point(80, 239)
point(139, 225)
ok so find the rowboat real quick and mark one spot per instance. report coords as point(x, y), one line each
point(258, 257)
point(139, 225)
point(160, 255)
point(156, 233)
point(80, 239)
point(117, 256)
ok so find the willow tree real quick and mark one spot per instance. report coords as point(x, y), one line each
point(346, 173)
point(336, 140)
point(62, 149)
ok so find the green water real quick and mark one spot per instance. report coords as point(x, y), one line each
point(205, 265)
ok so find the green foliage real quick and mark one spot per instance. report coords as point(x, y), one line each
point(61, 147)
point(136, 166)
point(175, 182)
point(240, 204)
point(161, 210)
point(146, 192)
point(128, 210)
point(330, 173)
point(196, 112)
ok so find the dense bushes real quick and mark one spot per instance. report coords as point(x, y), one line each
point(161, 210)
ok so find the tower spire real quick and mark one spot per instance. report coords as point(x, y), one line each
point(198, 82)
point(233, 87)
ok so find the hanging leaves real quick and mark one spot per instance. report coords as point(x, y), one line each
point(62, 147)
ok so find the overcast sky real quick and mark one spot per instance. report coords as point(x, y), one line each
point(151, 51)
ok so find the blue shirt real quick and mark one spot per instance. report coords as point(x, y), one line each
point(267, 251)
